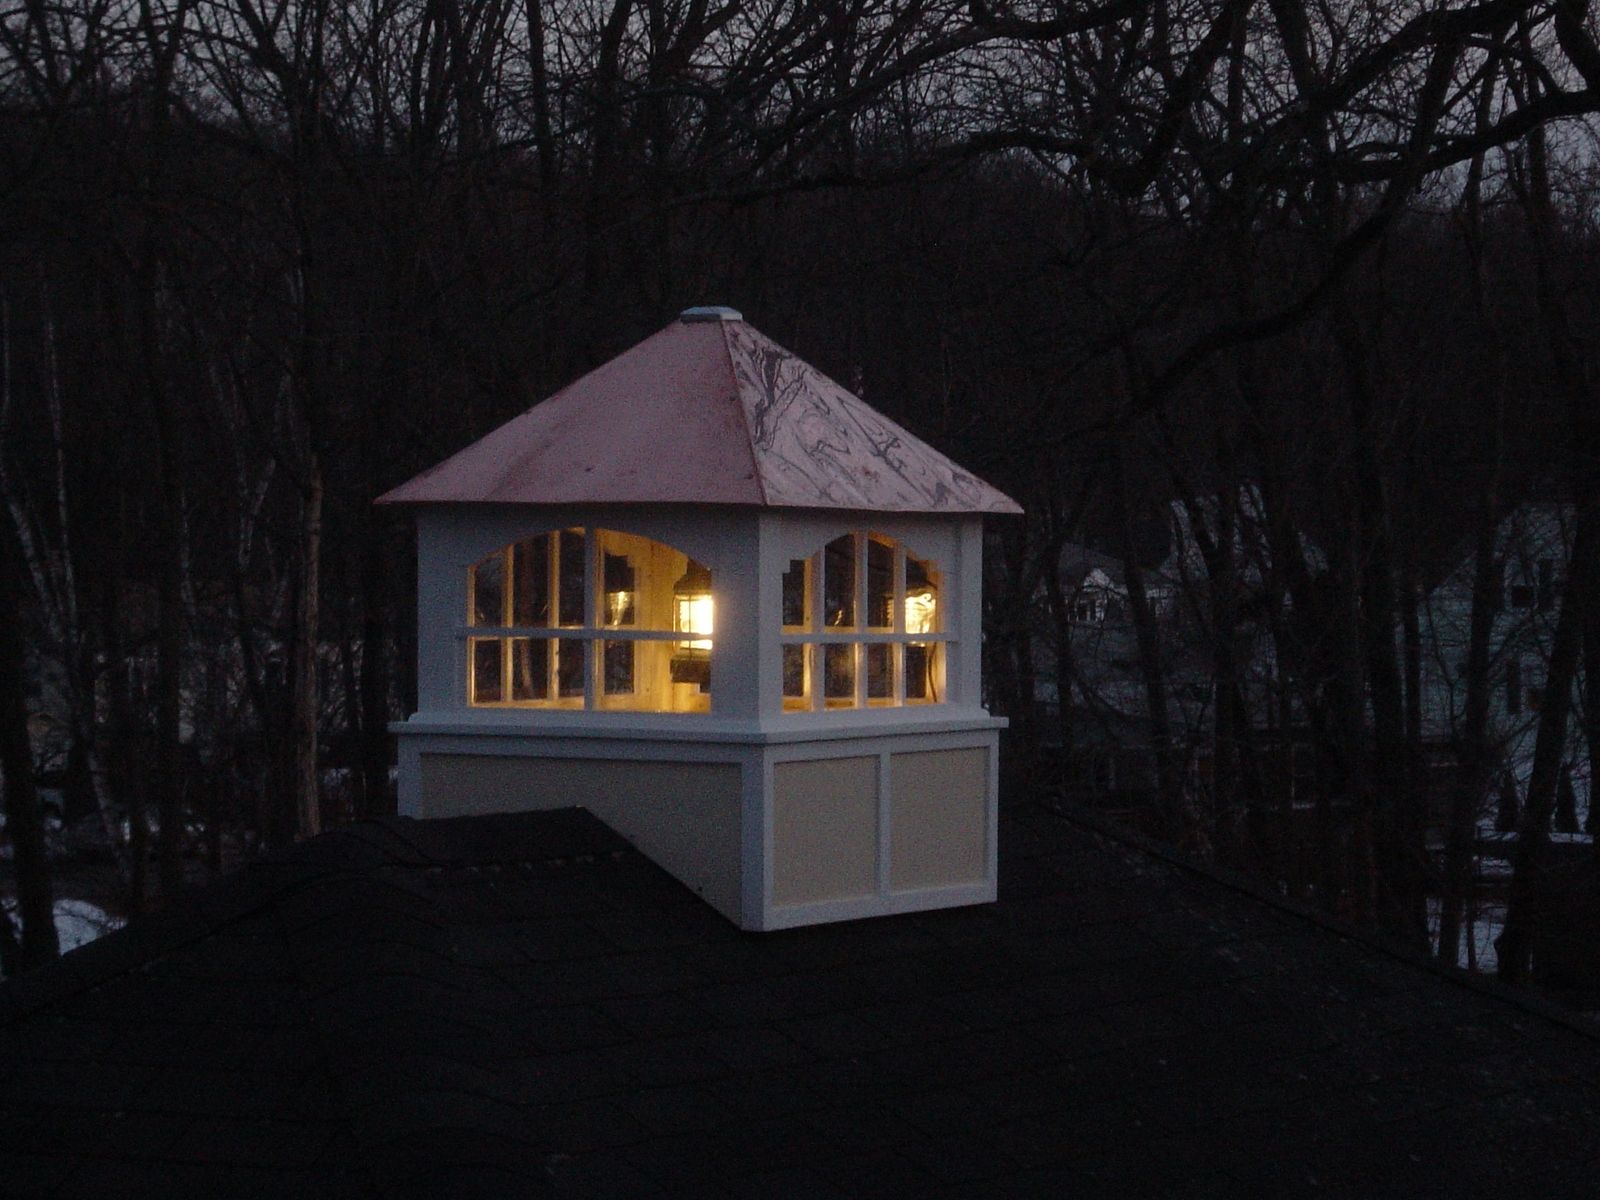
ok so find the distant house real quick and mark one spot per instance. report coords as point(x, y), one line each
point(1532, 545)
point(1107, 700)
point(1105, 688)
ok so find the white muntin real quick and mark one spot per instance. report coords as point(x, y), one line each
point(719, 601)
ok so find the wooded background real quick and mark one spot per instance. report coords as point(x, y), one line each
point(261, 260)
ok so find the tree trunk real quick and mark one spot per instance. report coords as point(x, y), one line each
point(1533, 836)
point(1148, 638)
point(1399, 852)
point(1066, 671)
point(169, 658)
point(1344, 758)
point(304, 690)
point(1591, 720)
point(24, 818)
point(375, 800)
point(1473, 782)
point(1573, 372)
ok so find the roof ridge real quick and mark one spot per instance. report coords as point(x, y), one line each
point(744, 413)
point(1532, 1002)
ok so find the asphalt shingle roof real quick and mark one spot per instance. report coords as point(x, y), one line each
point(522, 1005)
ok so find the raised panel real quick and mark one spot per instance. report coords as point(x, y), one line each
point(825, 830)
point(939, 822)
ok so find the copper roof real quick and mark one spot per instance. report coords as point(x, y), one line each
point(706, 411)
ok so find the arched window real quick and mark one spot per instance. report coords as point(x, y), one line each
point(862, 627)
point(594, 619)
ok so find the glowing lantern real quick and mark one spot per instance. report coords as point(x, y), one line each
point(921, 608)
point(691, 613)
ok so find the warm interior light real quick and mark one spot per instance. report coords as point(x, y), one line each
point(691, 613)
point(920, 608)
point(619, 607)
point(694, 616)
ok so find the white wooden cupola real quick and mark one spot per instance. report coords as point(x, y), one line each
point(710, 595)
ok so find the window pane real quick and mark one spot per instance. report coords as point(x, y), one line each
point(922, 598)
point(839, 582)
point(880, 671)
point(619, 668)
point(487, 686)
point(922, 680)
point(593, 579)
point(569, 667)
point(489, 590)
point(797, 594)
point(636, 580)
point(839, 671)
point(794, 677)
point(569, 606)
point(880, 584)
point(530, 669)
point(651, 686)
point(621, 591)
point(530, 586)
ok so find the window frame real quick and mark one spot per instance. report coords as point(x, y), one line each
point(815, 637)
point(592, 634)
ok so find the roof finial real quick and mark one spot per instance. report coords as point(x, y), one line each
point(711, 312)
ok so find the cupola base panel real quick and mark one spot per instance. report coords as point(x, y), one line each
point(771, 832)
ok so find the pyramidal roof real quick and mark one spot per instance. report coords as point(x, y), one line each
point(707, 411)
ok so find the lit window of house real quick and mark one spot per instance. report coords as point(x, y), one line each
point(861, 627)
point(590, 619)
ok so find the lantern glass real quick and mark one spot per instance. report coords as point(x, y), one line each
point(692, 614)
point(621, 592)
point(922, 597)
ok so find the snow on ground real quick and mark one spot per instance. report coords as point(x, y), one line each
point(1485, 928)
point(78, 922)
